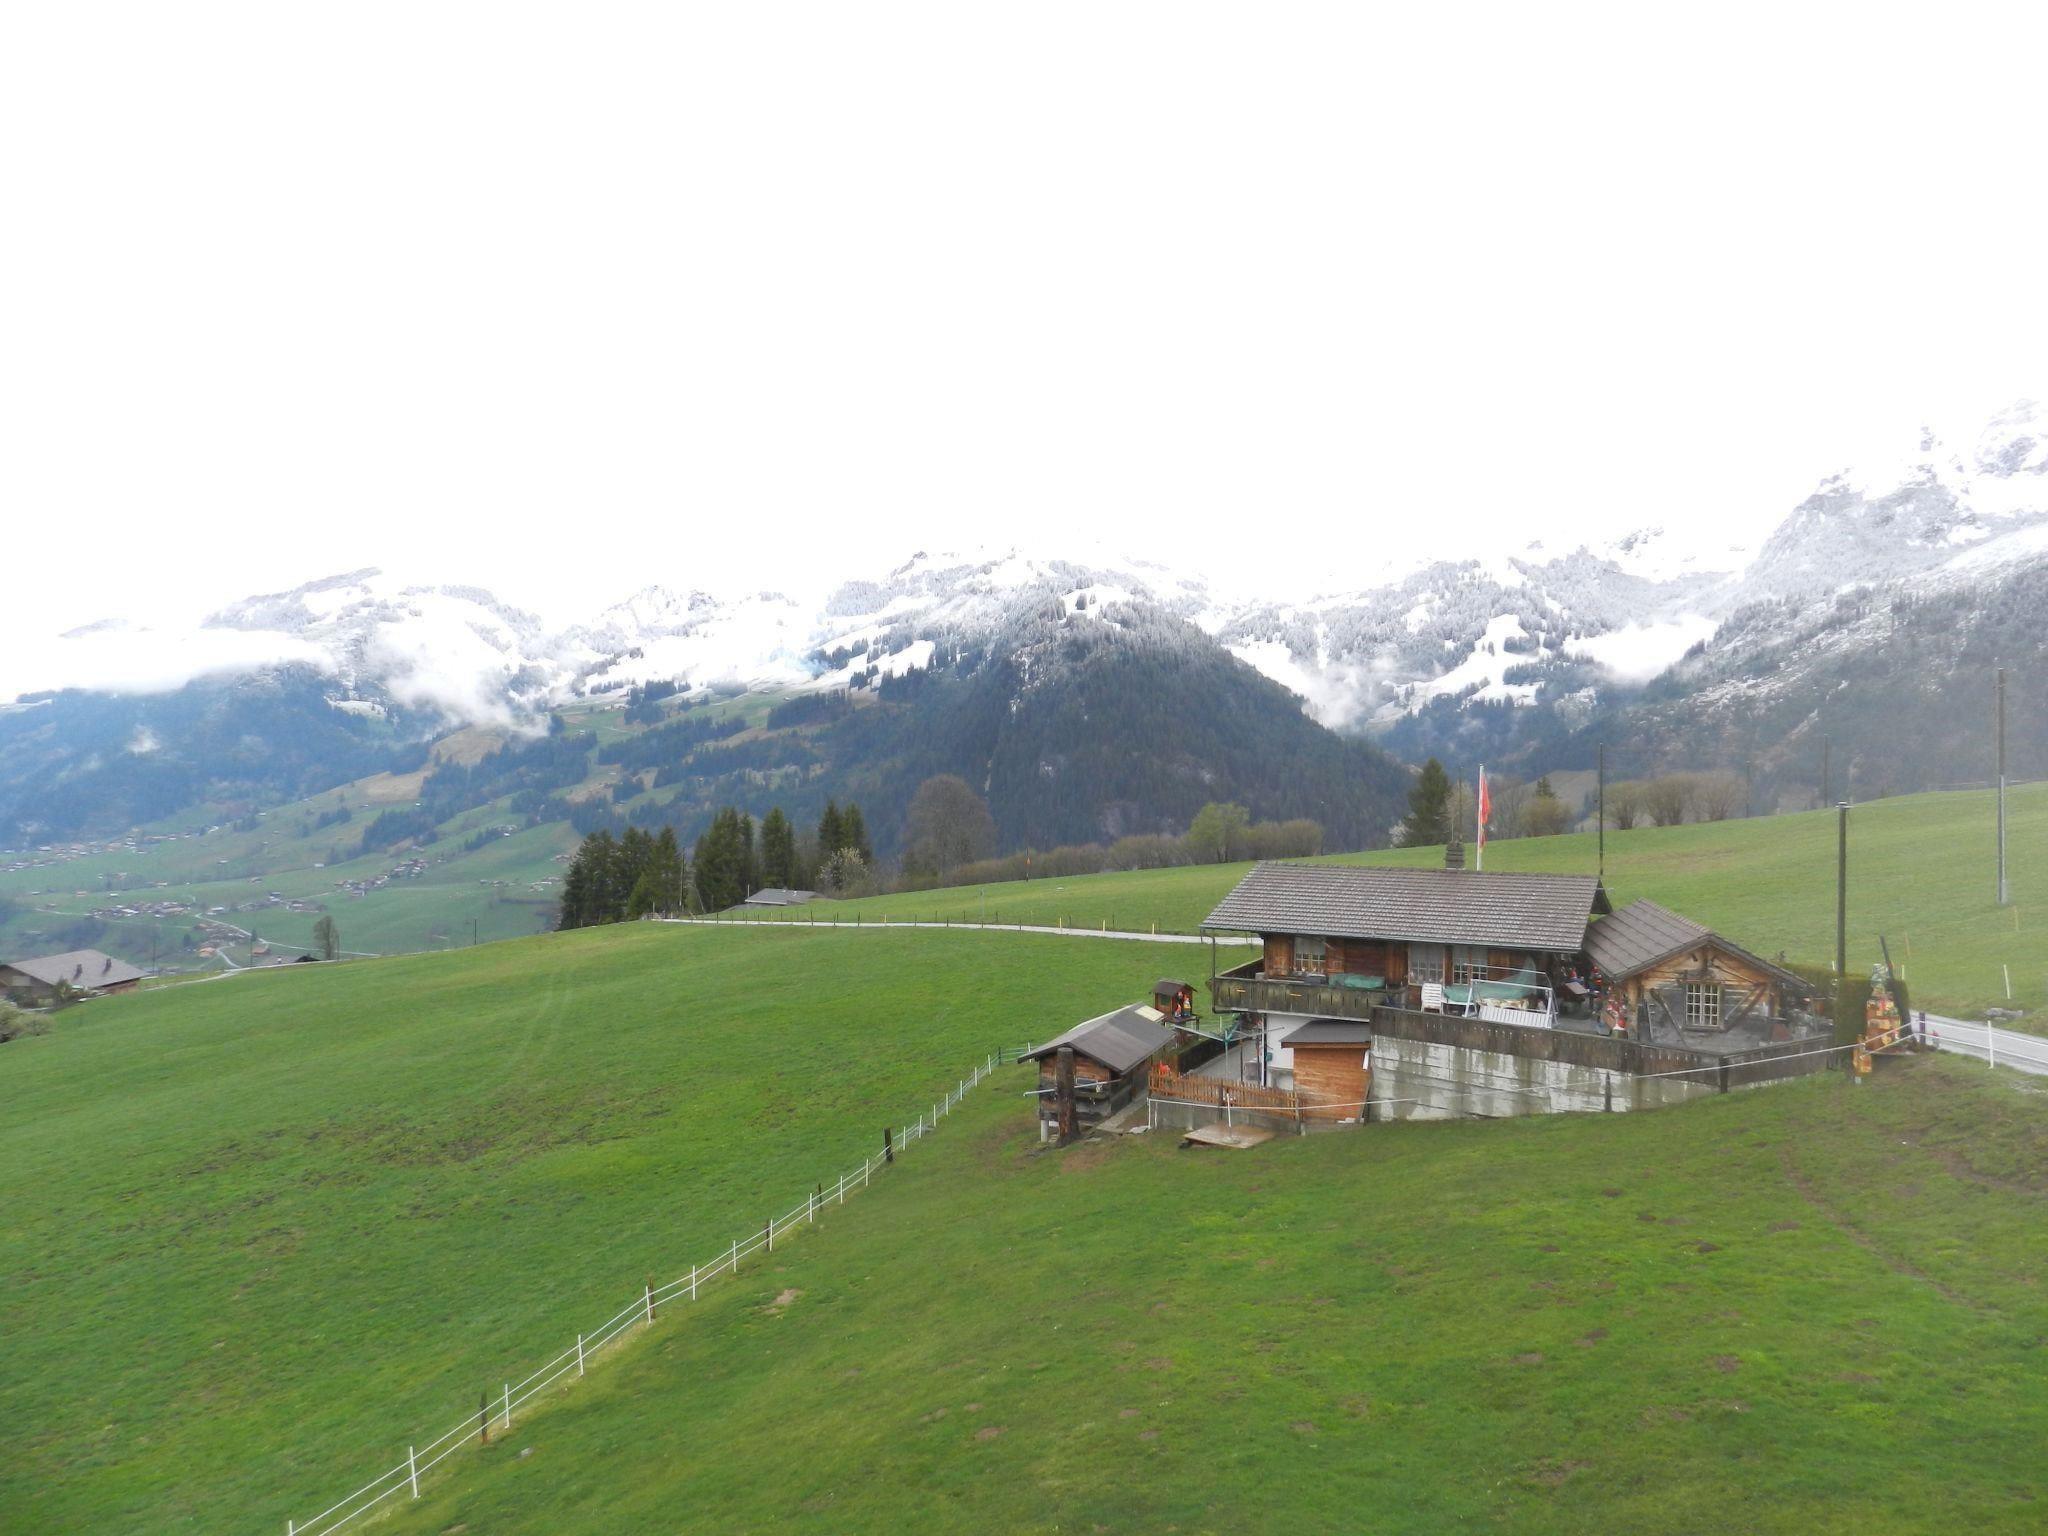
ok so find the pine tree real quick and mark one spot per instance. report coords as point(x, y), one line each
point(853, 833)
point(1429, 808)
point(831, 831)
point(778, 850)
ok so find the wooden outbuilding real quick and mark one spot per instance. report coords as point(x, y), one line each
point(1111, 1056)
point(1175, 1000)
point(1663, 976)
point(1332, 1067)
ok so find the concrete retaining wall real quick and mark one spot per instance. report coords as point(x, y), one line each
point(1429, 1080)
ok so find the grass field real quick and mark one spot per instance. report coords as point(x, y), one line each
point(1810, 1308)
point(254, 1233)
point(258, 1234)
point(1920, 875)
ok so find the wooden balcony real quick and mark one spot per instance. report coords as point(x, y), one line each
point(1244, 990)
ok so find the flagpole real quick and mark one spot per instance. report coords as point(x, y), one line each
point(1479, 818)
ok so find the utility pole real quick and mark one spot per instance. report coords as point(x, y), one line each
point(1824, 795)
point(1602, 814)
point(2003, 895)
point(1841, 896)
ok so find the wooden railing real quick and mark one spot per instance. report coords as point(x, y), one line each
point(1220, 1091)
point(1242, 991)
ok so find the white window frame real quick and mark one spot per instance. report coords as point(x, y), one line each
point(1704, 1001)
point(1302, 956)
point(1468, 963)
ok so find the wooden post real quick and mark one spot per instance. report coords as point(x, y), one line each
point(693, 1282)
point(508, 1405)
point(579, 1354)
point(412, 1468)
point(650, 1298)
point(888, 1145)
point(483, 1418)
point(1063, 1093)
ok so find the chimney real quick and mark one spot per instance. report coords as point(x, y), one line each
point(1454, 853)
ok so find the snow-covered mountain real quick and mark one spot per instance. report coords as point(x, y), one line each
point(1506, 655)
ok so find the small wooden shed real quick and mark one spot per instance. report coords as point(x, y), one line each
point(1332, 1067)
point(1111, 1055)
point(1174, 999)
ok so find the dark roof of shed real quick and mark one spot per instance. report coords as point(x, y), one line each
point(1120, 1040)
point(1170, 985)
point(1430, 906)
point(80, 967)
point(1643, 933)
point(1330, 1032)
point(776, 896)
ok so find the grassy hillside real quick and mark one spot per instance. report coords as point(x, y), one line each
point(1920, 874)
point(1812, 1308)
point(257, 1232)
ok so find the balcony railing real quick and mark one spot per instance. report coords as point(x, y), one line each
point(1243, 990)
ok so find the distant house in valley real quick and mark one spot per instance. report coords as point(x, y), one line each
point(775, 896)
point(36, 982)
point(1667, 977)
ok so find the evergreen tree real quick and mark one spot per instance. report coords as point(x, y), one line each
point(778, 850)
point(853, 833)
point(831, 831)
point(1429, 808)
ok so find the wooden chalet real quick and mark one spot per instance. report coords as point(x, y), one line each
point(35, 982)
point(1111, 1056)
point(1665, 977)
point(1339, 941)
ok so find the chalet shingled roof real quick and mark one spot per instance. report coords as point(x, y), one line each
point(1330, 1032)
point(82, 968)
point(1642, 933)
point(1426, 906)
point(1119, 1040)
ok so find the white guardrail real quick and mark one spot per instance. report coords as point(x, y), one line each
point(1986, 1043)
point(495, 1416)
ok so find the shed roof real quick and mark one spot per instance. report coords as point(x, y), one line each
point(1170, 985)
point(1330, 1032)
point(1430, 906)
point(776, 896)
point(80, 967)
point(1119, 1040)
point(1643, 933)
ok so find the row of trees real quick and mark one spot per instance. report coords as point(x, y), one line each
point(1438, 807)
point(612, 878)
point(616, 878)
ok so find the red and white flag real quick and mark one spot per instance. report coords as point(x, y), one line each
point(1485, 814)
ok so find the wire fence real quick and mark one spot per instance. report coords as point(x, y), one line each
point(494, 1415)
point(1096, 928)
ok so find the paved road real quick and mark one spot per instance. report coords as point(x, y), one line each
point(1065, 933)
point(2003, 1047)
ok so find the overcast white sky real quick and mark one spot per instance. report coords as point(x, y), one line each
point(563, 300)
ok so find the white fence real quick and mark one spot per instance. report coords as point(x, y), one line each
point(495, 1416)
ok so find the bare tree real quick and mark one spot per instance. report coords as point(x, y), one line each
point(1625, 803)
point(948, 824)
point(1716, 796)
point(1665, 798)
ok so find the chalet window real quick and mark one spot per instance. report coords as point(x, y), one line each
point(1702, 1005)
point(1308, 954)
point(1468, 962)
point(1425, 962)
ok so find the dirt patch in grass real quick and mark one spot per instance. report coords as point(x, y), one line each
point(783, 1301)
point(1554, 1474)
point(988, 1432)
point(1726, 1364)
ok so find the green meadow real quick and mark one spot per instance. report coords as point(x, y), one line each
point(1920, 878)
point(256, 1233)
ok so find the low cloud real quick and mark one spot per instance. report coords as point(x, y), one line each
point(117, 658)
point(1635, 653)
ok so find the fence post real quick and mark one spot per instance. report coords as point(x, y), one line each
point(768, 1227)
point(508, 1405)
point(693, 1282)
point(483, 1418)
point(888, 1145)
point(814, 1204)
point(734, 1263)
point(412, 1468)
point(579, 1354)
point(650, 1298)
